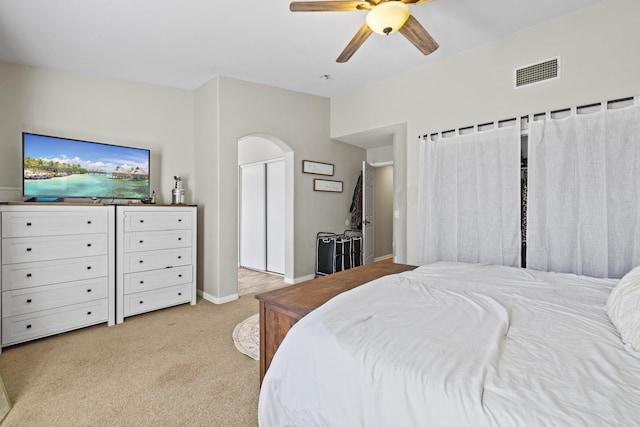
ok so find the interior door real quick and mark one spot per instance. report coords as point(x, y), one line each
point(368, 231)
point(252, 217)
point(275, 216)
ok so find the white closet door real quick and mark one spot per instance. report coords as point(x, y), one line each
point(252, 217)
point(275, 217)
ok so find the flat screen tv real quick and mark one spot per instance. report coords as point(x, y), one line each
point(55, 167)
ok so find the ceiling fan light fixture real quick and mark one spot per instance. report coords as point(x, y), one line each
point(387, 17)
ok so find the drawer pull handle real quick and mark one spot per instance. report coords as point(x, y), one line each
point(141, 241)
point(28, 224)
point(29, 301)
point(142, 220)
point(89, 222)
point(88, 313)
point(179, 219)
point(141, 302)
point(88, 267)
point(141, 261)
point(179, 275)
point(179, 294)
point(142, 282)
point(179, 238)
point(179, 256)
point(28, 326)
point(88, 245)
point(28, 274)
point(89, 290)
point(28, 249)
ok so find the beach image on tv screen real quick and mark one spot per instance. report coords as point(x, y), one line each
point(58, 167)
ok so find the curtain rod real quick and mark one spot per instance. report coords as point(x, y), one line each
point(524, 120)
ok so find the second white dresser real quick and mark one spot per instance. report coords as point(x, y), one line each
point(156, 258)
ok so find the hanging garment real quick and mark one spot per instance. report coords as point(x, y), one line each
point(523, 201)
point(356, 205)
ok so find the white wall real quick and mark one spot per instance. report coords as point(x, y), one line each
point(596, 46)
point(96, 109)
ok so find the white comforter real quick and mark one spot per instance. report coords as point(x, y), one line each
point(452, 344)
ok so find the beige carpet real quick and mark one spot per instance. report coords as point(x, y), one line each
point(172, 367)
point(246, 336)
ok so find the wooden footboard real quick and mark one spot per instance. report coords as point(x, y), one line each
point(282, 308)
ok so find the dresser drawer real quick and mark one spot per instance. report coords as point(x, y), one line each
point(30, 249)
point(152, 240)
point(42, 323)
point(26, 275)
point(167, 258)
point(165, 220)
point(152, 300)
point(155, 279)
point(28, 300)
point(28, 224)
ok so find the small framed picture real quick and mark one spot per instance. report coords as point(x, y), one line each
point(317, 168)
point(327, 185)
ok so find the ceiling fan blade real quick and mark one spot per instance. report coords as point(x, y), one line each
point(416, 2)
point(416, 34)
point(363, 33)
point(328, 6)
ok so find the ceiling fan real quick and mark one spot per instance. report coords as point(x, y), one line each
point(384, 17)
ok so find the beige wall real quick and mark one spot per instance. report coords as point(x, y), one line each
point(257, 149)
point(193, 134)
point(380, 154)
point(596, 46)
point(207, 180)
point(301, 123)
point(383, 211)
point(96, 109)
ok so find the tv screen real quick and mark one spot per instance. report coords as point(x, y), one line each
point(61, 168)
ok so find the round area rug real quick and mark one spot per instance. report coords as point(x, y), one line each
point(246, 336)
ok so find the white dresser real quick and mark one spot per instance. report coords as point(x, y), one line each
point(156, 258)
point(58, 269)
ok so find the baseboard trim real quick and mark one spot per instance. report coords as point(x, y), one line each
point(216, 300)
point(382, 258)
point(297, 280)
point(233, 297)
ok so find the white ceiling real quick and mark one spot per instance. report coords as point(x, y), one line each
point(184, 43)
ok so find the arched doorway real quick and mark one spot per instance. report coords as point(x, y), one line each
point(257, 150)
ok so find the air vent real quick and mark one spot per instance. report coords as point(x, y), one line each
point(536, 73)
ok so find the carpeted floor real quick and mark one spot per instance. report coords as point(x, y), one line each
point(172, 367)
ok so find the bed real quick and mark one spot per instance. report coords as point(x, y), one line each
point(454, 344)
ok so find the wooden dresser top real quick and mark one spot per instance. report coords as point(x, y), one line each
point(307, 296)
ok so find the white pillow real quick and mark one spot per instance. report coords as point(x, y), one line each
point(623, 308)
